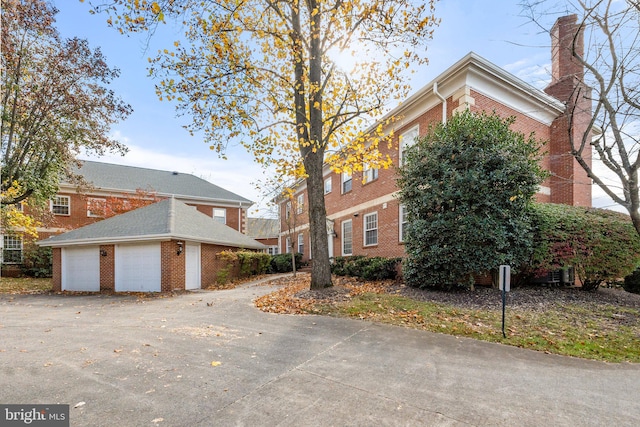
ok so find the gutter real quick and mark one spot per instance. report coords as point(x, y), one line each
point(444, 102)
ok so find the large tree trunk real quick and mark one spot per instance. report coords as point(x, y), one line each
point(320, 267)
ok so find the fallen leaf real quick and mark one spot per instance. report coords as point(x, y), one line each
point(79, 404)
point(157, 420)
point(216, 363)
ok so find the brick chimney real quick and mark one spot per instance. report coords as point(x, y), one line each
point(569, 182)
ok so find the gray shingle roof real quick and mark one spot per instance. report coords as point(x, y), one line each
point(110, 176)
point(168, 219)
point(263, 228)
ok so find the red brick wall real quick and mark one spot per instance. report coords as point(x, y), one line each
point(57, 270)
point(78, 213)
point(172, 266)
point(211, 264)
point(107, 268)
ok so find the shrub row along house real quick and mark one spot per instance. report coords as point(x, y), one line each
point(364, 216)
point(171, 244)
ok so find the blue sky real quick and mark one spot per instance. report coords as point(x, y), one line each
point(155, 136)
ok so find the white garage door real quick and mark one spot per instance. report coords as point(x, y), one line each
point(81, 269)
point(192, 266)
point(138, 268)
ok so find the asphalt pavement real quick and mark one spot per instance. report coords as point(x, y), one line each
point(210, 358)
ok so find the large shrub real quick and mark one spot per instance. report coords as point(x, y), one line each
point(374, 268)
point(282, 263)
point(466, 187)
point(601, 245)
point(632, 282)
point(38, 261)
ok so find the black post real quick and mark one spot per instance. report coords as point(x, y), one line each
point(504, 303)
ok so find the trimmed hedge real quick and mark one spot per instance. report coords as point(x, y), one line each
point(601, 245)
point(374, 268)
point(242, 264)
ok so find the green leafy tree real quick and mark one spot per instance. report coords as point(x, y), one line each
point(55, 102)
point(266, 73)
point(467, 186)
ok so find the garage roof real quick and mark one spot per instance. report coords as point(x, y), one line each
point(165, 220)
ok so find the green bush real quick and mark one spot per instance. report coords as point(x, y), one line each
point(38, 261)
point(601, 245)
point(282, 263)
point(374, 268)
point(466, 187)
point(632, 282)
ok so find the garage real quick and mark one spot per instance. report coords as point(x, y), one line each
point(156, 248)
point(137, 268)
point(81, 269)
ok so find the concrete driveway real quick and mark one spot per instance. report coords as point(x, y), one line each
point(211, 358)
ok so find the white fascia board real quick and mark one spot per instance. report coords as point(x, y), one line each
point(104, 240)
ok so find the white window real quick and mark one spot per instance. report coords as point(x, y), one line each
point(12, 250)
point(347, 238)
point(407, 139)
point(220, 215)
point(346, 182)
point(403, 222)
point(96, 207)
point(327, 185)
point(371, 229)
point(288, 245)
point(60, 205)
point(369, 174)
point(301, 243)
point(287, 210)
point(300, 203)
point(272, 250)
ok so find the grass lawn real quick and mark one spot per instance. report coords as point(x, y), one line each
point(24, 285)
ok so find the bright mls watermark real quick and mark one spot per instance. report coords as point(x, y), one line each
point(34, 415)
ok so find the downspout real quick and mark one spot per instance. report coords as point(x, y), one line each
point(444, 102)
point(240, 217)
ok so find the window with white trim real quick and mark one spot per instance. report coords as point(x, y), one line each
point(407, 139)
point(288, 245)
point(301, 243)
point(61, 205)
point(402, 215)
point(327, 185)
point(300, 203)
point(369, 174)
point(272, 250)
point(287, 210)
point(220, 215)
point(96, 207)
point(371, 229)
point(346, 182)
point(12, 250)
point(347, 238)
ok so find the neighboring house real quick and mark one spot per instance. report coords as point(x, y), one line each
point(78, 205)
point(164, 246)
point(265, 231)
point(364, 216)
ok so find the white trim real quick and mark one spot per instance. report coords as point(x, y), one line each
point(342, 224)
point(364, 229)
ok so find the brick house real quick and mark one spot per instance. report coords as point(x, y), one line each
point(161, 247)
point(76, 205)
point(265, 231)
point(363, 215)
